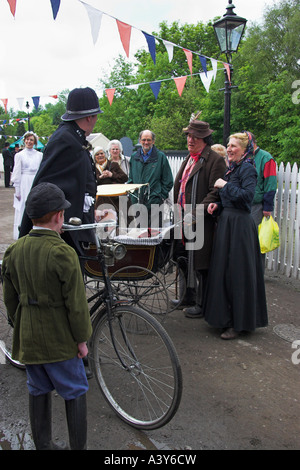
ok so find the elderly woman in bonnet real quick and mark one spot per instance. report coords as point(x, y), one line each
point(100, 160)
point(107, 172)
point(115, 151)
point(235, 299)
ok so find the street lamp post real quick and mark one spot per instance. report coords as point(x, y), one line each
point(27, 106)
point(229, 31)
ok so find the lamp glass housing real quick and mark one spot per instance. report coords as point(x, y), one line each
point(229, 31)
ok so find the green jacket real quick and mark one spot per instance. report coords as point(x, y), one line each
point(266, 179)
point(45, 298)
point(156, 171)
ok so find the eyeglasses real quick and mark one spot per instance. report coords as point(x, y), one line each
point(146, 140)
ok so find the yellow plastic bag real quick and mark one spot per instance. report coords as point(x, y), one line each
point(268, 234)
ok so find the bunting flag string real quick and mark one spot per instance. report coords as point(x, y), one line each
point(17, 137)
point(95, 18)
point(206, 78)
point(35, 100)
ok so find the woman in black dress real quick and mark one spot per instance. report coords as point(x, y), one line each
point(235, 297)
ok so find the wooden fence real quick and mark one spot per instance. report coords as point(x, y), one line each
point(286, 259)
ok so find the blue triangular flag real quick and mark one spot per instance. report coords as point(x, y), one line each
point(203, 63)
point(55, 7)
point(151, 45)
point(36, 101)
point(155, 87)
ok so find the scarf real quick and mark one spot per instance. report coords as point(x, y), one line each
point(101, 168)
point(194, 157)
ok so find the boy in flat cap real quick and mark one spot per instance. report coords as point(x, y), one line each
point(45, 299)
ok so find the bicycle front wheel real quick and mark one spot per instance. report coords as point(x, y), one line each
point(137, 367)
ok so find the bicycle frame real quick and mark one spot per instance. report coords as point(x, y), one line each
point(107, 294)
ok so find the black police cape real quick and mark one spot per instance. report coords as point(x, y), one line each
point(67, 163)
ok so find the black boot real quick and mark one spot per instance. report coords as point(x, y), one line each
point(77, 422)
point(40, 413)
point(187, 301)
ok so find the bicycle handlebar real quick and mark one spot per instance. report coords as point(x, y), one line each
point(71, 227)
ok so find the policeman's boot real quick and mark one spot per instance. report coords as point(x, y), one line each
point(77, 422)
point(40, 413)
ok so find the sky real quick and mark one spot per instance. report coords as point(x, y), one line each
point(42, 56)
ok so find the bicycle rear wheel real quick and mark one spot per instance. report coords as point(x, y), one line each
point(141, 376)
point(6, 333)
point(142, 287)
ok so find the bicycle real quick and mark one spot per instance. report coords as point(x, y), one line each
point(132, 356)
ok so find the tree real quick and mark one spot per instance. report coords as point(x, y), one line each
point(265, 70)
point(131, 112)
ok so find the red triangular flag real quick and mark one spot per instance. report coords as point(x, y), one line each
point(180, 82)
point(54, 96)
point(110, 94)
point(125, 33)
point(12, 6)
point(227, 67)
point(5, 100)
point(189, 56)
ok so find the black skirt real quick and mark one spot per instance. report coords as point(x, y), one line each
point(235, 295)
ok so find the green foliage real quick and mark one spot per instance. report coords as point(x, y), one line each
point(266, 70)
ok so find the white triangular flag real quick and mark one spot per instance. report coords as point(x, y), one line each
point(20, 102)
point(214, 64)
point(95, 17)
point(206, 79)
point(133, 87)
point(170, 47)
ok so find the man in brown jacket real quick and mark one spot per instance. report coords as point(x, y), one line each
point(194, 186)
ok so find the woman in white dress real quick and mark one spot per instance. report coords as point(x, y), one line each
point(27, 163)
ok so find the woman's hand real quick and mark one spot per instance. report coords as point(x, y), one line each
point(220, 183)
point(106, 174)
point(212, 207)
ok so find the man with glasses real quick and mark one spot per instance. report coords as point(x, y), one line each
point(150, 165)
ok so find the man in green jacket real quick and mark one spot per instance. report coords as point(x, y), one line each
point(46, 303)
point(150, 165)
point(265, 191)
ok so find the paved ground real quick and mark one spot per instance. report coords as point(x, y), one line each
point(239, 395)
